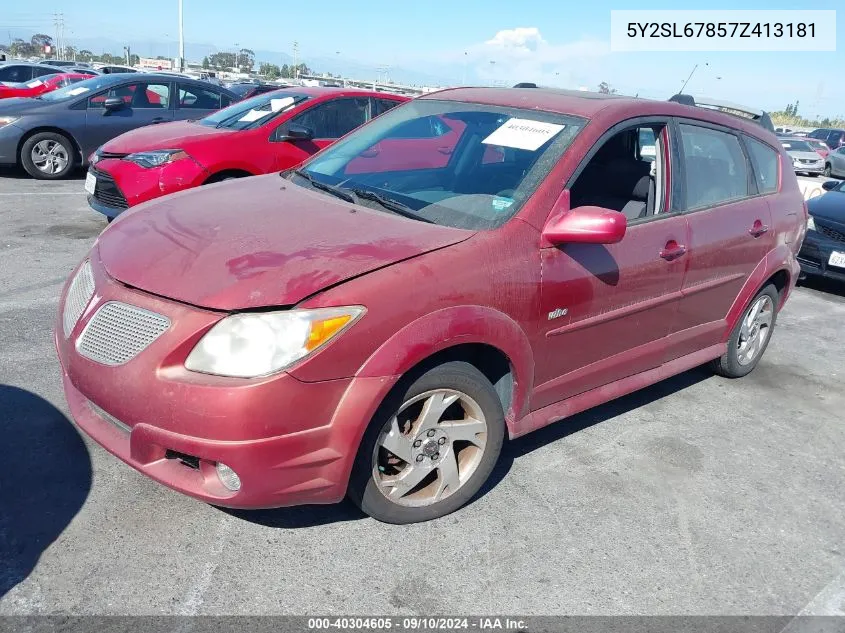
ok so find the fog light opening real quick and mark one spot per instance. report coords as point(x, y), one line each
point(228, 477)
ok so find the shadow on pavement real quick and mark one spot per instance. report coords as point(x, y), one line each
point(309, 516)
point(822, 284)
point(44, 480)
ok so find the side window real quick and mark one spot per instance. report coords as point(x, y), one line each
point(15, 74)
point(191, 97)
point(38, 72)
point(138, 95)
point(765, 161)
point(383, 105)
point(715, 166)
point(833, 139)
point(225, 101)
point(334, 118)
point(622, 176)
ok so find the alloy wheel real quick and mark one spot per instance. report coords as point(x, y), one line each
point(50, 157)
point(430, 448)
point(755, 330)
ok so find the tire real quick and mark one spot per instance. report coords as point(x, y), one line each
point(739, 360)
point(59, 153)
point(419, 439)
point(812, 175)
point(826, 171)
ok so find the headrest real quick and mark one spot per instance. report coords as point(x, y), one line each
point(641, 188)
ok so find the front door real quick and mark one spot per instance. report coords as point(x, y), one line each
point(145, 103)
point(607, 309)
point(327, 121)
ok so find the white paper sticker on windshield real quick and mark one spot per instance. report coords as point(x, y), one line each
point(280, 104)
point(253, 115)
point(76, 91)
point(33, 84)
point(523, 134)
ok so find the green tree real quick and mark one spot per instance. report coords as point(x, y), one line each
point(271, 71)
point(605, 89)
point(39, 41)
point(134, 59)
point(795, 108)
point(246, 59)
point(85, 55)
point(222, 60)
point(20, 48)
point(206, 64)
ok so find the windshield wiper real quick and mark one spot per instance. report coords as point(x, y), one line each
point(335, 191)
point(391, 205)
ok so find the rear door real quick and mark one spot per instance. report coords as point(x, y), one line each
point(730, 227)
point(145, 103)
point(196, 102)
point(327, 121)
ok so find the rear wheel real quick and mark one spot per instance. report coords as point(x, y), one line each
point(47, 156)
point(431, 446)
point(750, 336)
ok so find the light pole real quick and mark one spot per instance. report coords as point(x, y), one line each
point(466, 56)
point(237, 50)
point(181, 40)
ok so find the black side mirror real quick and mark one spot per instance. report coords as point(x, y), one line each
point(297, 133)
point(113, 103)
point(830, 185)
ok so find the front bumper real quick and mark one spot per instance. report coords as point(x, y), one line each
point(815, 254)
point(10, 138)
point(289, 441)
point(817, 168)
point(136, 184)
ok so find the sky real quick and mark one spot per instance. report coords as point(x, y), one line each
point(553, 42)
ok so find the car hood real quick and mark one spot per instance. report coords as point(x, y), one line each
point(830, 206)
point(22, 105)
point(257, 242)
point(805, 155)
point(175, 135)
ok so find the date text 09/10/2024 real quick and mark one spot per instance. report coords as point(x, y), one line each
point(417, 623)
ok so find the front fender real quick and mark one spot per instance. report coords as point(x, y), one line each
point(453, 326)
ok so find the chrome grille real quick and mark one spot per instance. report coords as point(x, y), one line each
point(118, 332)
point(78, 295)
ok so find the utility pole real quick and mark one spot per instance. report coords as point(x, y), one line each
point(181, 40)
point(295, 65)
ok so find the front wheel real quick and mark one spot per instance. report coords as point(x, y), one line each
point(750, 336)
point(826, 172)
point(47, 156)
point(430, 448)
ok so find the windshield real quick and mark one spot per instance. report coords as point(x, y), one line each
point(796, 146)
point(254, 112)
point(79, 88)
point(458, 164)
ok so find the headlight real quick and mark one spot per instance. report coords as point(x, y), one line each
point(811, 225)
point(156, 158)
point(261, 343)
point(7, 120)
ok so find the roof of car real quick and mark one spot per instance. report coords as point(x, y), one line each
point(589, 104)
point(318, 91)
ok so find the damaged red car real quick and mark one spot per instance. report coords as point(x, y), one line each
point(373, 326)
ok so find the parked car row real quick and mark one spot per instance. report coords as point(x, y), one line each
point(471, 264)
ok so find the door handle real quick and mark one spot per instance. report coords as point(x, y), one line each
point(758, 229)
point(445, 150)
point(673, 251)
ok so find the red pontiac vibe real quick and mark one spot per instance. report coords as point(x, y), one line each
point(377, 331)
point(270, 132)
point(39, 85)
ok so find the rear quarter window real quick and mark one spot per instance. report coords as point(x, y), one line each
point(765, 162)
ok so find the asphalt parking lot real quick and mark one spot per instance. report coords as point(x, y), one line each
point(700, 495)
